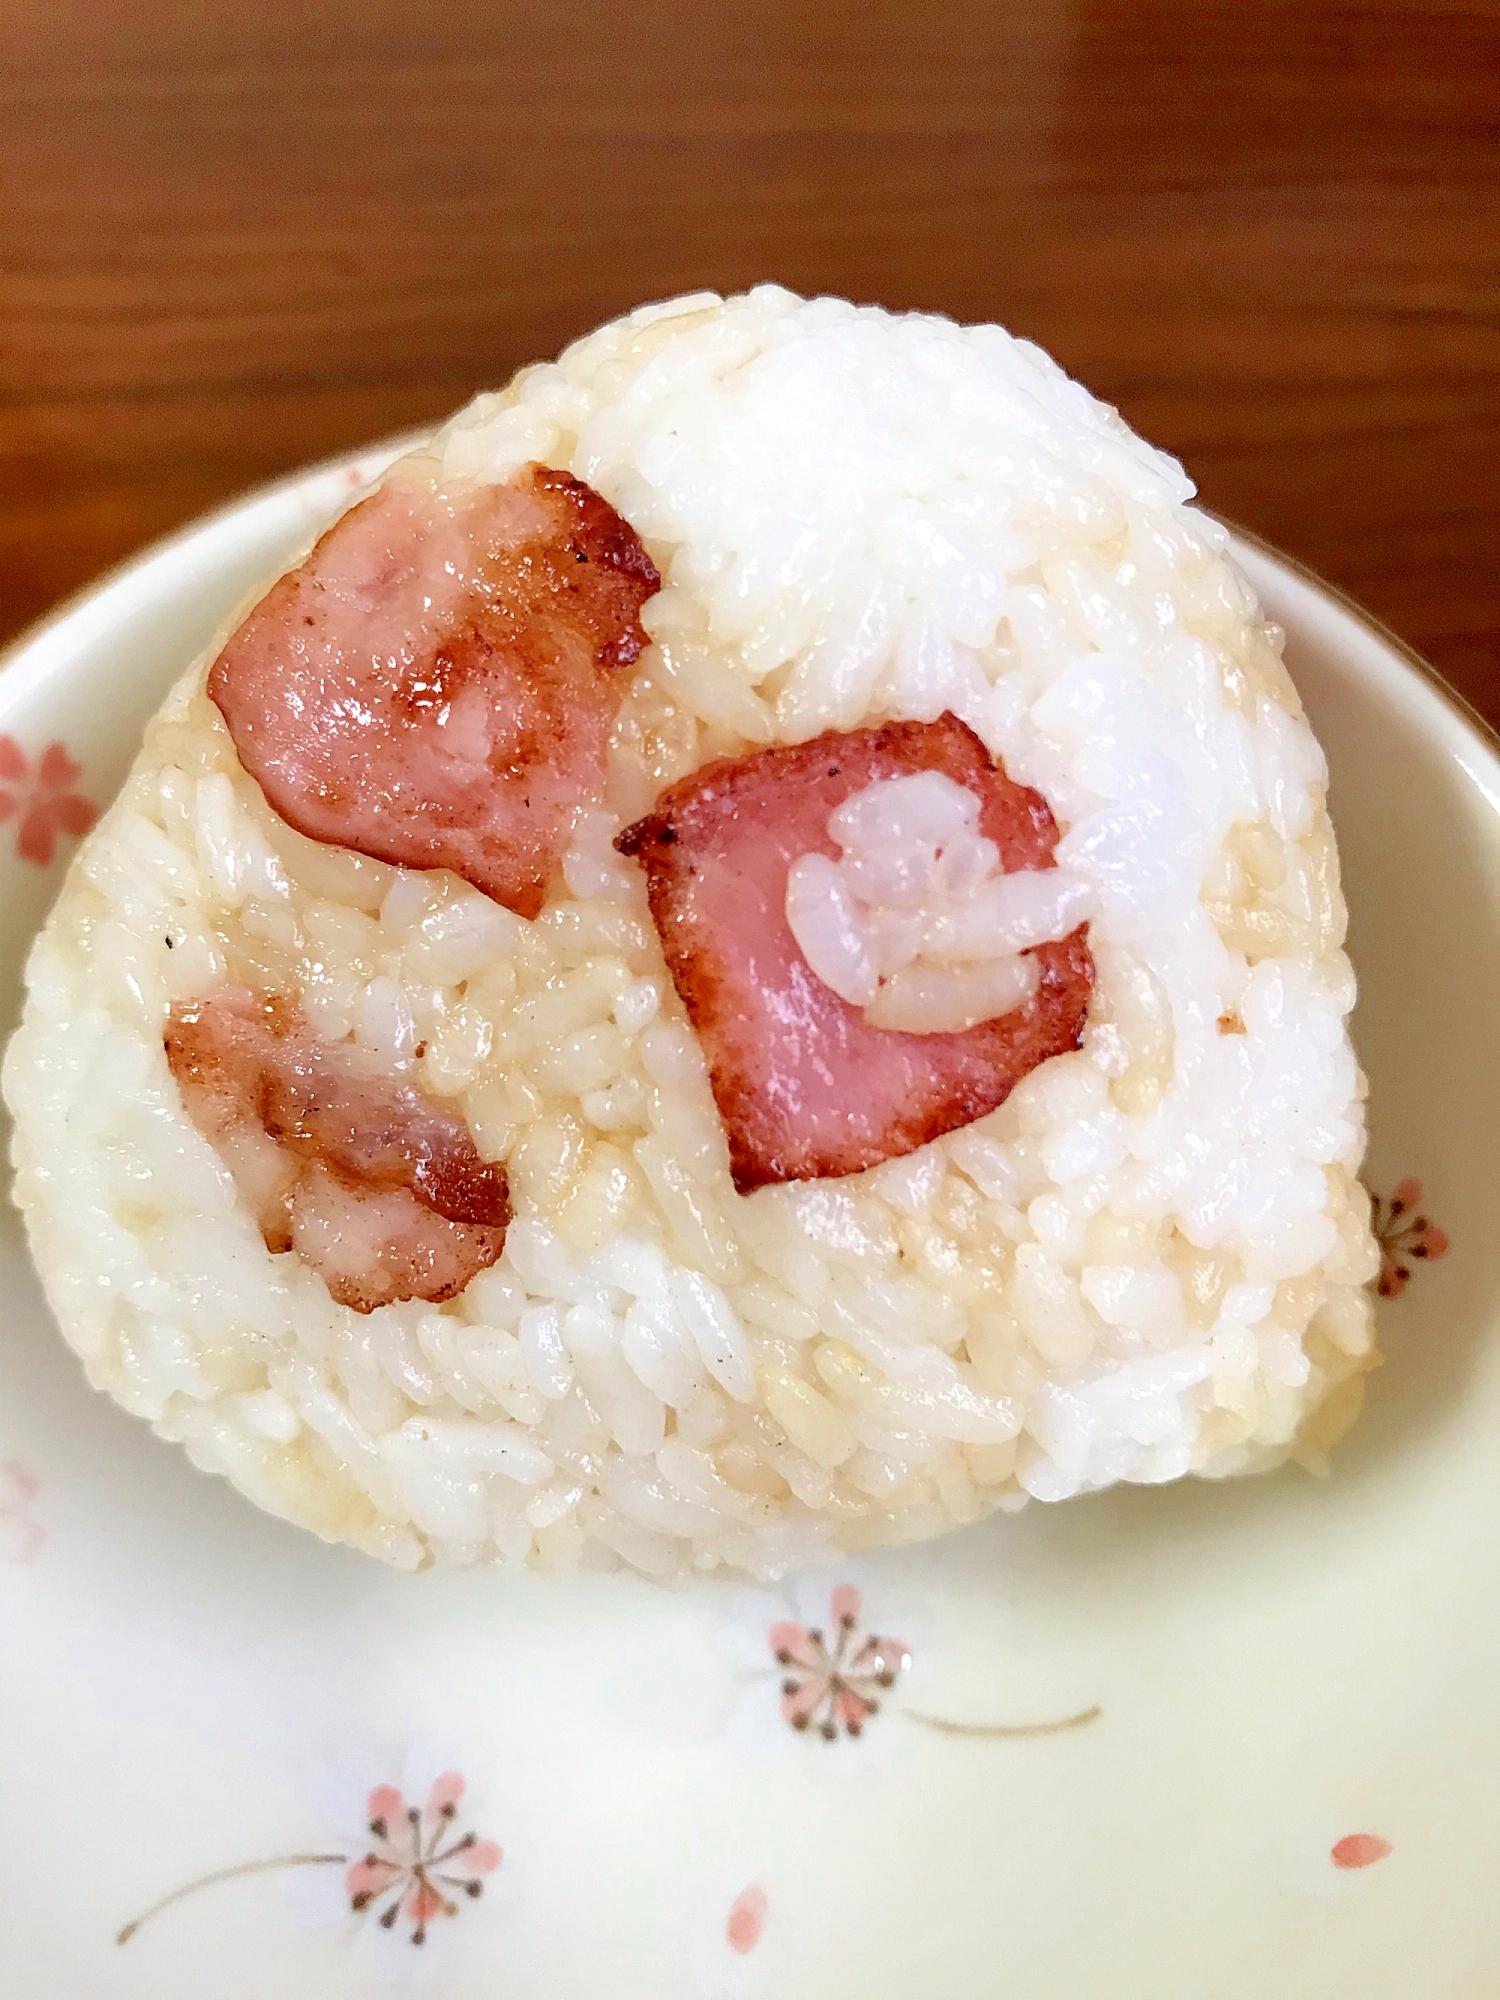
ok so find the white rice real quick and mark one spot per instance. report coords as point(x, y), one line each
point(1150, 1261)
point(916, 923)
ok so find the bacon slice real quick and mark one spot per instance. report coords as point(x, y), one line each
point(369, 1180)
point(435, 685)
point(806, 1089)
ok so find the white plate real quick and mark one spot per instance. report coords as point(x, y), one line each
point(1287, 1790)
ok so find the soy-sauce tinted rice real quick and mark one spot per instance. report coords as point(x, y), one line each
point(1150, 1260)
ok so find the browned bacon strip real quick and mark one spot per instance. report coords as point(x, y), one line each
point(369, 1180)
point(435, 684)
point(805, 1088)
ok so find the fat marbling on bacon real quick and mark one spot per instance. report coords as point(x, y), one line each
point(371, 1181)
point(435, 684)
point(805, 1086)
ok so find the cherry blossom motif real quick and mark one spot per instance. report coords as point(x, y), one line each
point(814, 1664)
point(1359, 1850)
point(21, 1534)
point(835, 1676)
point(832, 1669)
point(42, 801)
point(1403, 1237)
point(418, 1864)
point(406, 1869)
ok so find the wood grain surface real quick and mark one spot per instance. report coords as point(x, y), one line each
point(241, 234)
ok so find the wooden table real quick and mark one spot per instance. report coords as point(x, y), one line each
point(239, 236)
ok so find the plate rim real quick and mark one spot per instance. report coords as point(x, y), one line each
point(1460, 708)
point(91, 597)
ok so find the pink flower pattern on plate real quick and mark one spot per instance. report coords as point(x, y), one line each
point(408, 1866)
point(417, 1867)
point(834, 1677)
point(1404, 1237)
point(21, 1534)
point(815, 1662)
point(42, 801)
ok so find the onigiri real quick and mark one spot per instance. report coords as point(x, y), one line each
point(744, 961)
